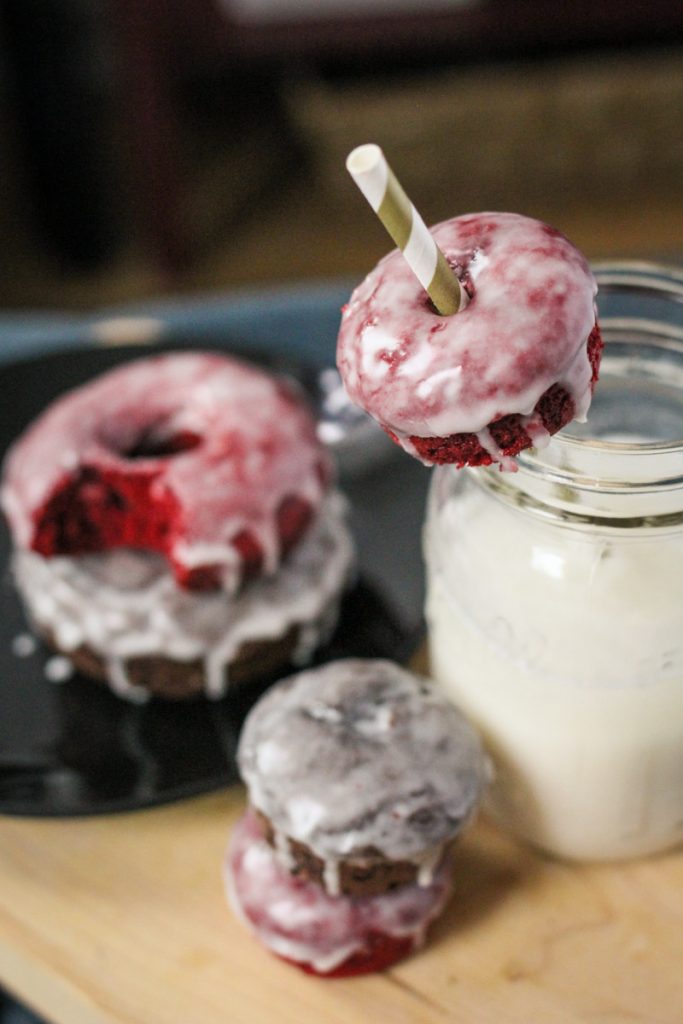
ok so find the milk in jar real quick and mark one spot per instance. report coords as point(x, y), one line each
point(555, 598)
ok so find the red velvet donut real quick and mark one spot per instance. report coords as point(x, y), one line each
point(201, 457)
point(510, 434)
point(514, 366)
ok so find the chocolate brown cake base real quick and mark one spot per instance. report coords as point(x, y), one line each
point(369, 873)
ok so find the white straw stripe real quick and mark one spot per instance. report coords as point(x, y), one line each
point(368, 168)
point(420, 251)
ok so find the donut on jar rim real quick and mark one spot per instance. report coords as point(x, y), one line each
point(359, 775)
point(510, 369)
point(206, 459)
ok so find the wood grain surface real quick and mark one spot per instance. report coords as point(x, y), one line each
point(122, 920)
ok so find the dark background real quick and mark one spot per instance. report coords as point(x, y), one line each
point(155, 146)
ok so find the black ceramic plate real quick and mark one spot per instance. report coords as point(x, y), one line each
point(72, 747)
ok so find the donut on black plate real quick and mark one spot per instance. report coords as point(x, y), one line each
point(176, 526)
point(360, 775)
point(510, 369)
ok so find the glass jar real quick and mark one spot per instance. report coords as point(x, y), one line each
point(555, 597)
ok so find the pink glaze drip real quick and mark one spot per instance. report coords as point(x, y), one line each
point(241, 445)
point(531, 310)
point(297, 920)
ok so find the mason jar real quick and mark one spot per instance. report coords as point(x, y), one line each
point(555, 598)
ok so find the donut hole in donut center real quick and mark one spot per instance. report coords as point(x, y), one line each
point(460, 268)
point(156, 444)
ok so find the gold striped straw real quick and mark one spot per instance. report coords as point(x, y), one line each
point(369, 169)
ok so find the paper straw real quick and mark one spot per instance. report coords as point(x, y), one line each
point(369, 169)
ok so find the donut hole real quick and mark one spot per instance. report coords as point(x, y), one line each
point(155, 443)
point(460, 268)
point(426, 305)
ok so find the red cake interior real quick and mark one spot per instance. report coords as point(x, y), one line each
point(98, 509)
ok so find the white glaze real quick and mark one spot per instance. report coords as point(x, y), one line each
point(258, 448)
point(125, 604)
point(298, 920)
point(58, 669)
point(361, 754)
point(524, 329)
point(24, 645)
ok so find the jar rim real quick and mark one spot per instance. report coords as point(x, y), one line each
point(629, 474)
point(646, 277)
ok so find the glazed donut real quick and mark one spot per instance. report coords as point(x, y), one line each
point(205, 459)
point(119, 617)
point(510, 369)
point(360, 775)
point(299, 922)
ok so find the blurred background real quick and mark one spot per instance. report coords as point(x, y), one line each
point(177, 146)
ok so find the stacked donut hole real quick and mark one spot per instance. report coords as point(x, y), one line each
point(176, 528)
point(360, 775)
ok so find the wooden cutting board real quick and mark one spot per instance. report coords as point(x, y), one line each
point(122, 920)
